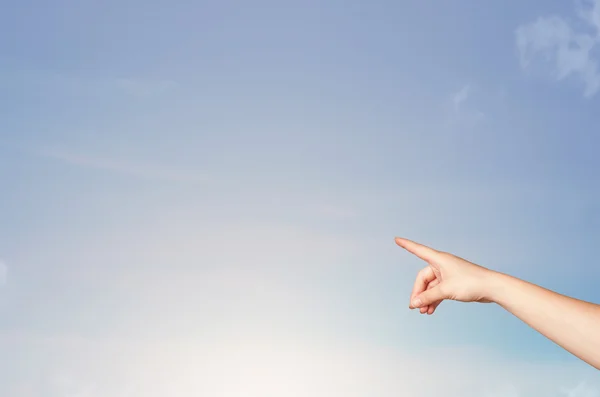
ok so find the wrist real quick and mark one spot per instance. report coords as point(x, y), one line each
point(495, 286)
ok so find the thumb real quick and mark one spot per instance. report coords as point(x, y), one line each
point(428, 297)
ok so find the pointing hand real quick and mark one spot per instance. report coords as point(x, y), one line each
point(445, 277)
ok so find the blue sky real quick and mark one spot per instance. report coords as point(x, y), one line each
point(201, 198)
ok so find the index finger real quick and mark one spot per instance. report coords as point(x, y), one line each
point(421, 251)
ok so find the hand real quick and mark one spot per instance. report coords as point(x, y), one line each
point(445, 277)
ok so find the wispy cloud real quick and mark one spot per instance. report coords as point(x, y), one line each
point(461, 96)
point(566, 50)
point(462, 112)
point(142, 171)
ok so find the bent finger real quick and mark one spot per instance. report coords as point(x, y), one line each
point(424, 278)
point(431, 308)
point(429, 297)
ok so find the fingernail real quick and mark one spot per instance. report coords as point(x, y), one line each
point(417, 302)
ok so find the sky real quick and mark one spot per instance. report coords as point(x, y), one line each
point(201, 198)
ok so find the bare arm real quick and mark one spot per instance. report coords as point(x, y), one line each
point(571, 323)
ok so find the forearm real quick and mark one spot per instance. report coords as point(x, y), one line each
point(571, 323)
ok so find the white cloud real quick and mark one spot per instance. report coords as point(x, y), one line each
point(556, 44)
point(461, 96)
point(3, 273)
point(463, 113)
point(143, 171)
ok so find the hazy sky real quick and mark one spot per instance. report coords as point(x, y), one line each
point(200, 198)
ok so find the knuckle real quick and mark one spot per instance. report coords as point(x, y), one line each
point(422, 274)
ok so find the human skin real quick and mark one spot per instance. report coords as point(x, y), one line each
point(571, 323)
